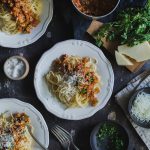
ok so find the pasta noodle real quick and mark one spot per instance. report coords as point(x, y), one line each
point(10, 23)
point(36, 7)
point(7, 24)
point(14, 134)
point(74, 81)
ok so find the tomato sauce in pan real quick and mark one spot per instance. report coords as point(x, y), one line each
point(95, 7)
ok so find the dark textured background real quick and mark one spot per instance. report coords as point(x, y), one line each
point(67, 24)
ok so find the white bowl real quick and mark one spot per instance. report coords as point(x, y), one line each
point(80, 48)
point(20, 40)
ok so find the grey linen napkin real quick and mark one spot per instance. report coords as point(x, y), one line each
point(122, 98)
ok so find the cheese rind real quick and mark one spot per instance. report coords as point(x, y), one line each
point(139, 52)
point(122, 60)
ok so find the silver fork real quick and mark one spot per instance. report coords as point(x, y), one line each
point(66, 134)
point(64, 140)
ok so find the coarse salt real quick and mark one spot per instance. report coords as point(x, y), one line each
point(15, 68)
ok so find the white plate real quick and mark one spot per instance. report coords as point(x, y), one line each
point(20, 40)
point(40, 128)
point(80, 48)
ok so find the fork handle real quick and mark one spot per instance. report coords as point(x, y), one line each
point(74, 147)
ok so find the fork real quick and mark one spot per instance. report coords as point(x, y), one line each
point(66, 135)
point(64, 140)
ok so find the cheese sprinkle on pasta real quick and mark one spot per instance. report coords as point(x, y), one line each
point(14, 134)
point(74, 80)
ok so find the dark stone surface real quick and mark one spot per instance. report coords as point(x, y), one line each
point(66, 24)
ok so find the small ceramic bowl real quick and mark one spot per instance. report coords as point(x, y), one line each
point(102, 146)
point(131, 101)
point(25, 71)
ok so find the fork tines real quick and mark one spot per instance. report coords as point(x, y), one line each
point(61, 135)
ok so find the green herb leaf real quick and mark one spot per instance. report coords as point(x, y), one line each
point(131, 27)
point(83, 91)
point(109, 131)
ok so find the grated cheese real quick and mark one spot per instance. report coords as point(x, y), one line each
point(6, 141)
point(141, 107)
point(72, 79)
point(67, 89)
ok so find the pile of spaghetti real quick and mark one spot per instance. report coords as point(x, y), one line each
point(74, 80)
point(19, 16)
point(13, 132)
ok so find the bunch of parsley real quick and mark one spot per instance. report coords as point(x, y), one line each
point(132, 27)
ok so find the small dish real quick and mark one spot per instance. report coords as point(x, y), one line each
point(131, 101)
point(102, 146)
point(11, 67)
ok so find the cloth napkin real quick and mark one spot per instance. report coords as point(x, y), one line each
point(122, 98)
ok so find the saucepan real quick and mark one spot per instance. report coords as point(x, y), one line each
point(90, 9)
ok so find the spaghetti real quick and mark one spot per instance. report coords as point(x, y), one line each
point(74, 80)
point(19, 16)
point(14, 134)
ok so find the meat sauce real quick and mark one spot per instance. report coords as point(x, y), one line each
point(95, 7)
point(23, 14)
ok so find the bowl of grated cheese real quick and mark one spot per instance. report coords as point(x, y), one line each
point(16, 68)
point(139, 107)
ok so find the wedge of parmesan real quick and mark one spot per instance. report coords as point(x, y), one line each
point(122, 60)
point(139, 52)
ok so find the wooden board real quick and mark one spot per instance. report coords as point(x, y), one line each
point(111, 47)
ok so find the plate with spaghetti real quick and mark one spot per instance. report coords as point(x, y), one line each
point(74, 80)
point(24, 21)
point(15, 119)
